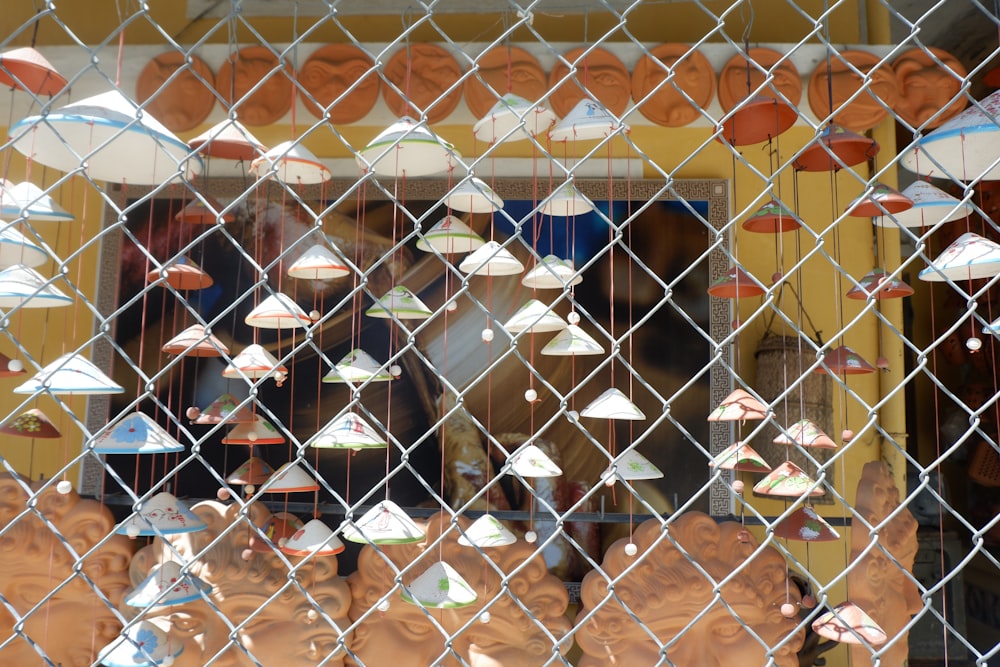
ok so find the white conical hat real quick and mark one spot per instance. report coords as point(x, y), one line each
point(566, 201)
point(223, 409)
point(195, 341)
point(486, 532)
point(408, 149)
point(229, 140)
point(292, 163)
point(572, 341)
point(109, 135)
point(513, 118)
point(993, 327)
point(530, 461)
point(589, 119)
point(70, 374)
point(357, 366)
point(536, 317)
point(450, 236)
point(612, 404)
point(27, 200)
point(849, 624)
point(142, 645)
point(161, 514)
point(931, 206)
point(491, 259)
point(253, 362)
point(256, 432)
point(137, 433)
point(629, 466)
point(385, 523)
point(969, 257)
point(401, 303)
point(439, 587)
point(290, 478)
point(22, 286)
point(964, 147)
point(739, 456)
point(552, 273)
point(278, 311)
point(166, 586)
point(16, 248)
point(313, 539)
point(318, 263)
point(348, 431)
point(473, 196)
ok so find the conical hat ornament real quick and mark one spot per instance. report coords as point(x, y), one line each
point(292, 163)
point(161, 514)
point(31, 424)
point(204, 211)
point(473, 196)
point(450, 236)
point(738, 406)
point(223, 409)
point(491, 259)
point(278, 311)
point(195, 341)
point(400, 303)
point(26, 200)
point(22, 286)
point(552, 273)
point(964, 147)
point(993, 327)
point(258, 432)
point(805, 525)
point(181, 274)
point(844, 361)
point(348, 431)
point(807, 434)
point(566, 202)
point(408, 149)
point(27, 69)
point(255, 362)
point(110, 135)
point(137, 433)
point(880, 200)
point(849, 624)
point(357, 366)
point(536, 317)
point(530, 461)
point(969, 257)
point(758, 119)
point(629, 466)
point(486, 532)
point(513, 118)
point(588, 120)
point(788, 481)
point(739, 456)
point(439, 587)
point(70, 374)
point(318, 263)
point(276, 531)
point(290, 478)
point(254, 471)
point(772, 218)
point(141, 645)
point(313, 539)
point(385, 523)
point(836, 147)
point(877, 284)
point(228, 140)
point(931, 207)
point(166, 586)
point(612, 404)
point(15, 248)
point(572, 341)
point(735, 284)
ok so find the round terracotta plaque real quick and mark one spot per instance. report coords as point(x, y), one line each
point(329, 72)
point(925, 87)
point(422, 72)
point(865, 112)
point(242, 72)
point(184, 103)
point(692, 73)
point(601, 72)
point(507, 70)
point(733, 78)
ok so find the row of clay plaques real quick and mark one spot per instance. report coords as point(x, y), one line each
point(343, 78)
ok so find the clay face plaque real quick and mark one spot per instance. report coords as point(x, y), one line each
point(692, 73)
point(733, 78)
point(185, 102)
point(327, 75)
point(505, 69)
point(925, 87)
point(240, 74)
point(865, 111)
point(601, 73)
point(423, 72)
